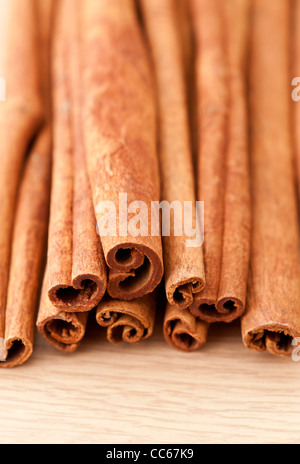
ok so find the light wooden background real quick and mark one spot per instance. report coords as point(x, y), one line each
point(150, 393)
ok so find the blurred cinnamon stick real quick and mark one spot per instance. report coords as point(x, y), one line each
point(31, 222)
point(183, 258)
point(272, 318)
point(120, 139)
point(20, 118)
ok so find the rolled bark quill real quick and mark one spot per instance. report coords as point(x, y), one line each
point(184, 331)
point(29, 240)
point(128, 321)
point(63, 330)
point(120, 139)
point(76, 266)
point(237, 206)
point(30, 225)
point(20, 118)
point(183, 262)
point(221, 31)
point(272, 318)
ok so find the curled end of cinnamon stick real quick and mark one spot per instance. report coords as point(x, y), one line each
point(225, 310)
point(64, 331)
point(83, 295)
point(14, 352)
point(183, 331)
point(182, 293)
point(135, 271)
point(127, 329)
point(275, 338)
point(230, 308)
point(106, 316)
point(127, 321)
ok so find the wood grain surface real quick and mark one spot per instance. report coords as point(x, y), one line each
point(150, 393)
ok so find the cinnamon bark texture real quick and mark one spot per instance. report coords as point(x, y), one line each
point(183, 258)
point(221, 36)
point(28, 250)
point(237, 205)
point(20, 118)
point(76, 267)
point(30, 224)
point(120, 139)
point(128, 321)
point(272, 318)
point(63, 330)
point(184, 331)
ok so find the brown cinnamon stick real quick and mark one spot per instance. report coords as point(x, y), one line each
point(184, 331)
point(20, 118)
point(28, 250)
point(221, 31)
point(63, 330)
point(237, 203)
point(76, 267)
point(30, 224)
point(120, 139)
point(128, 321)
point(183, 258)
point(272, 318)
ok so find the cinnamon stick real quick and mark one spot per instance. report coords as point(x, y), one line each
point(29, 240)
point(63, 330)
point(120, 140)
point(184, 331)
point(128, 321)
point(20, 118)
point(237, 202)
point(272, 318)
point(185, 29)
point(183, 258)
point(221, 31)
point(30, 224)
point(76, 267)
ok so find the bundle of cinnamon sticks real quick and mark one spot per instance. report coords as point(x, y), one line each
point(148, 161)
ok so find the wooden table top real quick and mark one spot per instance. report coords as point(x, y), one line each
point(150, 393)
